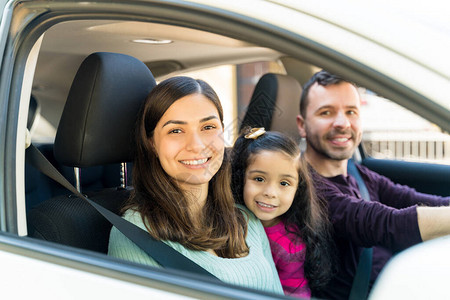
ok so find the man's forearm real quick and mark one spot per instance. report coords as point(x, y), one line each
point(433, 222)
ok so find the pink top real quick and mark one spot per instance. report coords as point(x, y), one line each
point(288, 253)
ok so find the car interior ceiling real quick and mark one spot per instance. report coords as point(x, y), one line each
point(201, 49)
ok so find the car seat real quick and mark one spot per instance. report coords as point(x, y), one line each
point(95, 129)
point(39, 187)
point(275, 104)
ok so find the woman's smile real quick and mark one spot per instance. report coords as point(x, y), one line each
point(188, 140)
point(195, 162)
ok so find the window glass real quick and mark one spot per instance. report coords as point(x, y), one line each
point(248, 76)
point(393, 132)
point(234, 84)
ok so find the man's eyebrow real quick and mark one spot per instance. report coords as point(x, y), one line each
point(324, 106)
point(331, 106)
point(178, 122)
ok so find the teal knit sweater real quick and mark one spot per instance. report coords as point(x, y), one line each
point(256, 270)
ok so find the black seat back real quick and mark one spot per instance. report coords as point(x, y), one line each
point(274, 105)
point(95, 129)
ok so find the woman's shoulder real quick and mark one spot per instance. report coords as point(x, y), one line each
point(253, 223)
point(249, 216)
point(242, 207)
point(135, 217)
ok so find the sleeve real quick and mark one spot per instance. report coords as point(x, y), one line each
point(268, 255)
point(370, 223)
point(266, 248)
point(283, 263)
point(121, 247)
point(397, 195)
point(256, 229)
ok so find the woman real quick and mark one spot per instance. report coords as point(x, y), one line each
point(182, 190)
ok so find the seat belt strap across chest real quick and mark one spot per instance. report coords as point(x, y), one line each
point(165, 255)
point(360, 286)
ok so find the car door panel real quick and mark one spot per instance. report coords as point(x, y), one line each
point(424, 177)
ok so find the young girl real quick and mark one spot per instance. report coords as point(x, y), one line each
point(182, 192)
point(272, 180)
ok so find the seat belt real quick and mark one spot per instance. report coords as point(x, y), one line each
point(162, 253)
point(360, 286)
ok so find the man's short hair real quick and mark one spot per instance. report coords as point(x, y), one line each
point(322, 78)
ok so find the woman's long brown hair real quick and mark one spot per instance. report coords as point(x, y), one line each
point(157, 197)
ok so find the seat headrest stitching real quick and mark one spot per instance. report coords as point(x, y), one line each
point(88, 111)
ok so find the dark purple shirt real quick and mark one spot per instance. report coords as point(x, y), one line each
point(388, 221)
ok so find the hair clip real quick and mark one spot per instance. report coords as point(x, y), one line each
point(255, 133)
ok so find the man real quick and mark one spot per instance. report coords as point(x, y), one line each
point(330, 121)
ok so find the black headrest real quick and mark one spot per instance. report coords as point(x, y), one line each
point(275, 105)
point(99, 116)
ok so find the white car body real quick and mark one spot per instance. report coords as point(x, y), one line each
point(393, 54)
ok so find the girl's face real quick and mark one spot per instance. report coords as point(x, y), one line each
point(271, 180)
point(188, 141)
